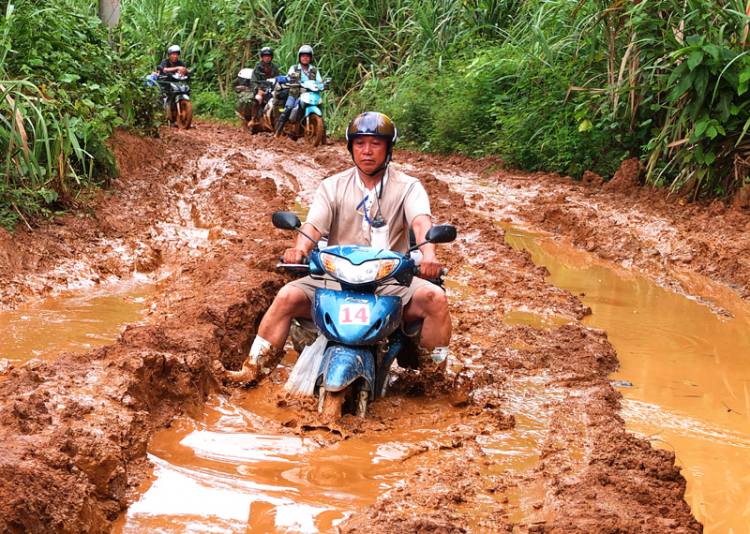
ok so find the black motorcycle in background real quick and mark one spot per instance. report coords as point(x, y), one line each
point(177, 103)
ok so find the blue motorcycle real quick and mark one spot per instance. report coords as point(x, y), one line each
point(306, 119)
point(363, 331)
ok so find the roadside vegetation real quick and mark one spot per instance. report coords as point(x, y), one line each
point(552, 85)
point(63, 91)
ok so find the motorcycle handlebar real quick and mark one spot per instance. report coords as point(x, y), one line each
point(418, 271)
point(293, 266)
point(174, 76)
point(437, 281)
point(305, 260)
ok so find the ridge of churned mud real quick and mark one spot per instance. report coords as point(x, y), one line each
point(653, 230)
point(74, 431)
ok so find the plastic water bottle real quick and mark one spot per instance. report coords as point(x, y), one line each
point(379, 235)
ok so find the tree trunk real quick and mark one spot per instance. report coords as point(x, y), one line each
point(109, 12)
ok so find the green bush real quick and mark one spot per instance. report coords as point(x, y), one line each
point(473, 103)
point(212, 104)
point(569, 85)
point(65, 90)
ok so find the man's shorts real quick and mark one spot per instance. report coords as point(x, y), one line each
point(309, 285)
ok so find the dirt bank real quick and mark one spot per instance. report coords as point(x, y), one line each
point(74, 432)
point(193, 215)
point(639, 227)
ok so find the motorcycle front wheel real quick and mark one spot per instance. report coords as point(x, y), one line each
point(315, 130)
point(333, 404)
point(184, 114)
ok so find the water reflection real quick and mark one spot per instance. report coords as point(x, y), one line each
point(76, 321)
point(207, 501)
point(228, 473)
point(689, 368)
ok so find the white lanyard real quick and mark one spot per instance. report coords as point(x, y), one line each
point(369, 199)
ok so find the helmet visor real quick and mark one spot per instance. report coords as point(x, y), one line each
point(376, 124)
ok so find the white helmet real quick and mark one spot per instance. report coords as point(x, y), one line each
point(305, 49)
point(172, 49)
point(245, 74)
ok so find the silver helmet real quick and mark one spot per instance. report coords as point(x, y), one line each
point(174, 48)
point(305, 49)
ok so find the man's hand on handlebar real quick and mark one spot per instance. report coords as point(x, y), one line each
point(294, 255)
point(430, 268)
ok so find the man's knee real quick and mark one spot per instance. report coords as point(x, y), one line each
point(433, 299)
point(427, 301)
point(291, 300)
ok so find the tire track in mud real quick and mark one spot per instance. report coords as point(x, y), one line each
point(73, 432)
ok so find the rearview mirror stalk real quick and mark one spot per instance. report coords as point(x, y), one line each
point(315, 248)
point(442, 233)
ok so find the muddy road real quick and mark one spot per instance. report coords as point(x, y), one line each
point(524, 433)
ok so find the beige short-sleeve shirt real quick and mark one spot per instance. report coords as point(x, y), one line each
point(334, 210)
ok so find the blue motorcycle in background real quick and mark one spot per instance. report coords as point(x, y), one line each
point(362, 330)
point(306, 119)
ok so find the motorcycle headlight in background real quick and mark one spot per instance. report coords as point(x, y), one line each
point(365, 273)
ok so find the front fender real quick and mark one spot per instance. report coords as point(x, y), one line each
point(181, 97)
point(309, 110)
point(342, 365)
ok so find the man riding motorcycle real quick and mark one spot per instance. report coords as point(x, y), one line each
point(347, 207)
point(302, 72)
point(251, 90)
point(172, 65)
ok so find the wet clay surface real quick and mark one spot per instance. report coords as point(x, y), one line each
point(193, 215)
point(75, 321)
point(661, 234)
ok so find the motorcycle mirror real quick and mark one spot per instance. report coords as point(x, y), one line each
point(442, 233)
point(285, 220)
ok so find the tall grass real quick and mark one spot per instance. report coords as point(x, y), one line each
point(568, 86)
point(557, 85)
point(354, 41)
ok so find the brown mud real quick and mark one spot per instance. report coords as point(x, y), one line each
point(192, 215)
point(658, 232)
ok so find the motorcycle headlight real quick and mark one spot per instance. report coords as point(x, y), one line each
point(364, 273)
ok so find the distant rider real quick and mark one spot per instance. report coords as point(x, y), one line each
point(344, 208)
point(302, 72)
point(172, 65)
point(253, 88)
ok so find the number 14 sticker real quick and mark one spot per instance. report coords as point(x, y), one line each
point(354, 314)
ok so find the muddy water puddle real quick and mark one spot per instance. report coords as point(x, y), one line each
point(76, 321)
point(231, 472)
point(688, 367)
